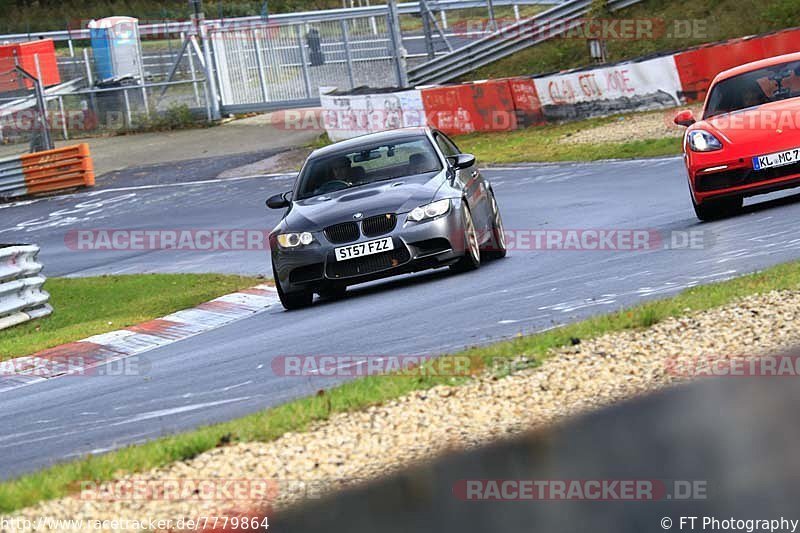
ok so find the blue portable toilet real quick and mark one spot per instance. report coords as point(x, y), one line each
point(116, 48)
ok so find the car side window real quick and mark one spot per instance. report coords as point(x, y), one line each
point(446, 145)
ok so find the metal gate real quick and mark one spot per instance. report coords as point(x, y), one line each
point(269, 66)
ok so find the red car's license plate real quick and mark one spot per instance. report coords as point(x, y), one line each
point(778, 159)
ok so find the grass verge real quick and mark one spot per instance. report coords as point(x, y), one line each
point(298, 415)
point(90, 306)
point(543, 143)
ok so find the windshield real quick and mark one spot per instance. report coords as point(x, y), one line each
point(754, 88)
point(367, 164)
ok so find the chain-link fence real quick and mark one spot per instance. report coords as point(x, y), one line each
point(22, 116)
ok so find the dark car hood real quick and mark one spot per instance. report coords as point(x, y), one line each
point(399, 195)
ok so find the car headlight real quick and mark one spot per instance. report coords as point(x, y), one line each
point(703, 141)
point(432, 210)
point(293, 240)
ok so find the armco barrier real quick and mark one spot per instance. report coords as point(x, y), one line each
point(21, 295)
point(42, 172)
point(698, 66)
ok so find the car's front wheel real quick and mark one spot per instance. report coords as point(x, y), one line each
point(472, 251)
point(717, 209)
point(292, 300)
point(497, 244)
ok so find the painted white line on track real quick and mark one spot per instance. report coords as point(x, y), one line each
point(184, 183)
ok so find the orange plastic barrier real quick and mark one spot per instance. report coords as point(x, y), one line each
point(482, 106)
point(25, 54)
point(698, 66)
point(62, 168)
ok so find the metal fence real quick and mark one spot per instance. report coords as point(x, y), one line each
point(251, 64)
point(171, 92)
point(174, 27)
point(276, 65)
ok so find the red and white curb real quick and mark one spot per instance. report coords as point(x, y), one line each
point(78, 357)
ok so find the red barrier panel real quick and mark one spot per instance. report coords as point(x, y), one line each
point(26, 55)
point(526, 102)
point(459, 109)
point(698, 66)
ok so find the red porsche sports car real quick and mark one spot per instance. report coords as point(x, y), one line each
point(748, 140)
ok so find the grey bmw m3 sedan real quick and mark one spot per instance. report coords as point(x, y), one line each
point(380, 205)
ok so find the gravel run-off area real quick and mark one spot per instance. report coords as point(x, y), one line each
point(353, 447)
point(632, 127)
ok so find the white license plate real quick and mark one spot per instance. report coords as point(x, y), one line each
point(361, 249)
point(778, 159)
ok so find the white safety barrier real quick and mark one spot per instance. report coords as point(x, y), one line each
point(21, 295)
point(349, 115)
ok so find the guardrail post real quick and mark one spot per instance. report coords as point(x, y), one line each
point(426, 29)
point(64, 129)
point(396, 39)
point(347, 55)
point(190, 55)
point(211, 72)
point(303, 59)
point(260, 65)
point(128, 108)
point(492, 20)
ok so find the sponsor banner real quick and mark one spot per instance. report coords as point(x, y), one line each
point(625, 87)
point(348, 116)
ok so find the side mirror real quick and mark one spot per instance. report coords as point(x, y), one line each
point(279, 201)
point(685, 118)
point(461, 161)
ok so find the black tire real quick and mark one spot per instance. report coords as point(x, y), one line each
point(333, 292)
point(497, 244)
point(292, 300)
point(717, 209)
point(471, 260)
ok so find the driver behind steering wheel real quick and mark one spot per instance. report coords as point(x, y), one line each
point(337, 178)
point(340, 169)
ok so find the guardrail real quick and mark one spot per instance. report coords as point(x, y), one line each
point(21, 295)
point(42, 172)
point(174, 28)
point(507, 41)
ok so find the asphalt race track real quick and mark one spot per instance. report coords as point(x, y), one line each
point(226, 373)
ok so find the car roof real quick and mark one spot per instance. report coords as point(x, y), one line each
point(755, 65)
point(380, 136)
